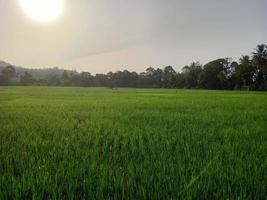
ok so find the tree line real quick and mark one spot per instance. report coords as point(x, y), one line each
point(249, 73)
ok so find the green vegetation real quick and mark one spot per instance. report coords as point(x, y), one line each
point(74, 143)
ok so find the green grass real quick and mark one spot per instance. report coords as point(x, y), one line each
point(74, 143)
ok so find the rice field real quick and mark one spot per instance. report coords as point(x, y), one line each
point(97, 143)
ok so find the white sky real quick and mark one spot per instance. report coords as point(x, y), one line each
point(108, 35)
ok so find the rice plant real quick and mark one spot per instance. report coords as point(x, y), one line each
point(96, 143)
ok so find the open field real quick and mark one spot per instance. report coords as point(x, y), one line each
point(74, 143)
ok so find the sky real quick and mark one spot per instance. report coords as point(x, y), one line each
point(109, 35)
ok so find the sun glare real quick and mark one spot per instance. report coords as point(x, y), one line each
point(42, 10)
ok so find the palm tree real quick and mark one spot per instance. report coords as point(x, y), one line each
point(260, 61)
point(260, 56)
point(244, 60)
point(245, 71)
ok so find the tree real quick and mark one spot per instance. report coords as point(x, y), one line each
point(229, 67)
point(169, 77)
point(180, 80)
point(192, 74)
point(8, 73)
point(65, 79)
point(86, 79)
point(101, 80)
point(75, 79)
point(151, 78)
point(26, 79)
point(53, 80)
point(260, 61)
point(212, 75)
point(244, 73)
point(158, 77)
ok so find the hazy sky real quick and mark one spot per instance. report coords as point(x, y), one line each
point(104, 35)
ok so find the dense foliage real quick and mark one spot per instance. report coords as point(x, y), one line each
point(96, 143)
point(249, 73)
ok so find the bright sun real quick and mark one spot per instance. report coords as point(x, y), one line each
point(42, 10)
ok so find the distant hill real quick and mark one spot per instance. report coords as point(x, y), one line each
point(43, 73)
point(37, 73)
point(3, 65)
